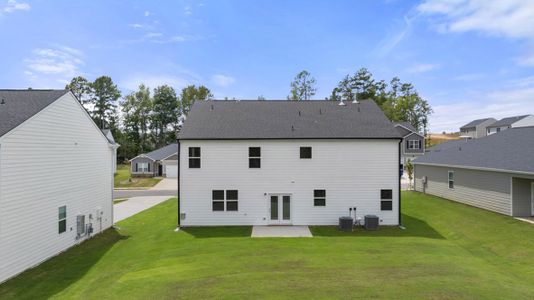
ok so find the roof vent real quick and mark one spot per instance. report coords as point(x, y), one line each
point(341, 103)
point(211, 107)
point(292, 128)
point(355, 101)
point(299, 113)
point(3, 101)
point(320, 111)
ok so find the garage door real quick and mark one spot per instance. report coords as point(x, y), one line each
point(171, 171)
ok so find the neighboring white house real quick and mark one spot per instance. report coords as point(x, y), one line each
point(494, 172)
point(511, 122)
point(287, 162)
point(56, 177)
point(476, 128)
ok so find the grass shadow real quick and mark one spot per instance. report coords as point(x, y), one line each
point(59, 272)
point(414, 228)
point(218, 231)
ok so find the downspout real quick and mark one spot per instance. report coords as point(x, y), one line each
point(399, 172)
point(179, 166)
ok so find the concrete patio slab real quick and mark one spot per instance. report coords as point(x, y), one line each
point(280, 231)
point(134, 206)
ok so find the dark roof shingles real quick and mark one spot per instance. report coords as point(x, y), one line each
point(20, 105)
point(507, 121)
point(508, 150)
point(277, 119)
point(163, 152)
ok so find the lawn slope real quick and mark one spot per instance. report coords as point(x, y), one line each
point(448, 251)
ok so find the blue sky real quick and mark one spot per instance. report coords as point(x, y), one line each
point(469, 58)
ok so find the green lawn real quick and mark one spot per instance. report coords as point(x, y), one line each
point(123, 179)
point(448, 251)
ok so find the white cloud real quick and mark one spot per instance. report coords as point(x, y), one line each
point(177, 81)
point(469, 77)
point(422, 68)
point(147, 13)
point(136, 25)
point(513, 101)
point(392, 39)
point(222, 80)
point(513, 19)
point(188, 10)
point(58, 63)
point(13, 5)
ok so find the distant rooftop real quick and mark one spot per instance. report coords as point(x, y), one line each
point(507, 121)
point(475, 123)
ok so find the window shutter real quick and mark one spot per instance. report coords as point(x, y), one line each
point(149, 167)
point(136, 167)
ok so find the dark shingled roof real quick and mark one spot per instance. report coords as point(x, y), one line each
point(507, 121)
point(509, 150)
point(163, 152)
point(20, 105)
point(250, 119)
point(407, 125)
point(474, 123)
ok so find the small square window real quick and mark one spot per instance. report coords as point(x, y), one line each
point(254, 163)
point(218, 194)
point(231, 206)
point(305, 152)
point(386, 205)
point(254, 151)
point(218, 205)
point(231, 195)
point(254, 157)
point(386, 194)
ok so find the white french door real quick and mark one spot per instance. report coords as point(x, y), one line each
point(280, 208)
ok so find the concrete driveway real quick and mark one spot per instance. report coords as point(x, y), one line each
point(166, 184)
point(135, 205)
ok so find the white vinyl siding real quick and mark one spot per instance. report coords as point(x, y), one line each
point(351, 171)
point(56, 158)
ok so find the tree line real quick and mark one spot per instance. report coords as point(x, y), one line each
point(147, 119)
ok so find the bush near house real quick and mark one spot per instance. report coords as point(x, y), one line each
point(448, 251)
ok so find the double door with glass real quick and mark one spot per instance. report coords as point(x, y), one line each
point(280, 206)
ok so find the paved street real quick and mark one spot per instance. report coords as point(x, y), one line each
point(118, 194)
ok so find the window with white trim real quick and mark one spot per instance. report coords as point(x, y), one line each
point(414, 144)
point(142, 167)
point(386, 199)
point(194, 157)
point(254, 157)
point(62, 219)
point(451, 179)
point(319, 197)
point(224, 200)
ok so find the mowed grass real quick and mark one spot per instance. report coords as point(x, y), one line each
point(448, 251)
point(123, 176)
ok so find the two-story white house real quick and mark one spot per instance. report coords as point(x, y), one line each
point(287, 162)
point(510, 122)
point(56, 177)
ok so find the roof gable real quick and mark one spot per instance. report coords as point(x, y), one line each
point(286, 120)
point(507, 121)
point(20, 105)
point(163, 152)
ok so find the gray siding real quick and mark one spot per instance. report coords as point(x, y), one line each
point(522, 194)
point(487, 190)
point(413, 136)
point(140, 160)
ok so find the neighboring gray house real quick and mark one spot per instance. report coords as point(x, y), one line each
point(494, 173)
point(511, 122)
point(161, 162)
point(477, 128)
point(413, 143)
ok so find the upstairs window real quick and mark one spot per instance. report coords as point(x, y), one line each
point(386, 199)
point(319, 197)
point(414, 144)
point(222, 203)
point(62, 219)
point(305, 152)
point(254, 157)
point(194, 157)
point(451, 179)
